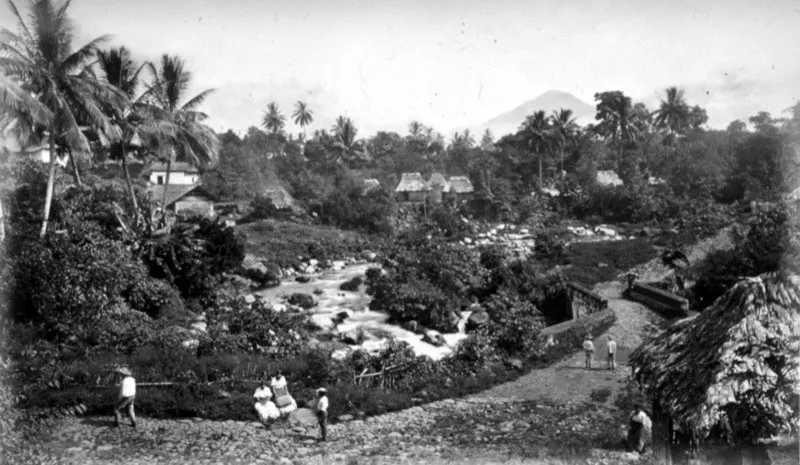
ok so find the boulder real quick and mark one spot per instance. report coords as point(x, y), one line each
point(313, 262)
point(340, 354)
point(279, 307)
point(477, 319)
point(190, 344)
point(323, 321)
point(302, 279)
point(302, 417)
point(353, 336)
point(434, 338)
point(410, 325)
point(302, 300)
point(605, 230)
point(369, 255)
point(467, 240)
point(201, 326)
point(249, 299)
point(344, 418)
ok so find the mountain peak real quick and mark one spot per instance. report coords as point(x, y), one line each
point(549, 101)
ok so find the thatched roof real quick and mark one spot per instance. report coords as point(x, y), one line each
point(438, 181)
point(175, 192)
point(608, 178)
point(178, 166)
point(370, 184)
point(279, 196)
point(461, 185)
point(730, 360)
point(412, 182)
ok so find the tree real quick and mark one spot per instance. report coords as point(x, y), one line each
point(345, 145)
point(564, 131)
point(698, 117)
point(762, 121)
point(537, 134)
point(302, 115)
point(141, 122)
point(192, 141)
point(39, 62)
point(273, 121)
point(673, 115)
point(616, 120)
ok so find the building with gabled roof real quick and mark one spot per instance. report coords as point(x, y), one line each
point(412, 188)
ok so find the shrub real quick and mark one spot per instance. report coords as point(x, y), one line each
point(302, 300)
point(352, 285)
point(618, 256)
point(155, 298)
point(514, 323)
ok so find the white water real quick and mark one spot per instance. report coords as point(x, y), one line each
point(333, 301)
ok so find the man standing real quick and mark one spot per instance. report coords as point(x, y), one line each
point(588, 348)
point(322, 413)
point(612, 354)
point(127, 394)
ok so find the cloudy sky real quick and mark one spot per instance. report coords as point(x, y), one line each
point(458, 63)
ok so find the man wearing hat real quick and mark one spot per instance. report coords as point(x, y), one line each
point(588, 348)
point(127, 393)
point(322, 412)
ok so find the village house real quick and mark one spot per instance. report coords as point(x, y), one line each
point(439, 186)
point(460, 189)
point(412, 188)
point(184, 193)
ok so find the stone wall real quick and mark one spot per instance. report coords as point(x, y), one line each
point(584, 301)
point(666, 303)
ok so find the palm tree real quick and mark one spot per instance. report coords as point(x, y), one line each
point(273, 121)
point(345, 144)
point(564, 130)
point(39, 62)
point(538, 136)
point(192, 140)
point(673, 114)
point(616, 119)
point(302, 116)
point(416, 129)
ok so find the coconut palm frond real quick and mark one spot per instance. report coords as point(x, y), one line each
point(14, 99)
point(79, 57)
point(197, 100)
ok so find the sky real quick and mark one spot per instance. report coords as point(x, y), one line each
point(452, 64)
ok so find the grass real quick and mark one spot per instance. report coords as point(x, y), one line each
point(282, 242)
point(594, 262)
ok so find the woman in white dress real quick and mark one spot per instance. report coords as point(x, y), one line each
point(267, 410)
point(283, 400)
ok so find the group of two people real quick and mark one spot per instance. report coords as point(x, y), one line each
point(269, 411)
point(611, 347)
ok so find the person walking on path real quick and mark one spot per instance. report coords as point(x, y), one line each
point(588, 348)
point(322, 413)
point(612, 354)
point(127, 394)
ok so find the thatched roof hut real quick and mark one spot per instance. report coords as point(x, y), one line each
point(738, 361)
point(412, 182)
point(279, 196)
point(438, 181)
point(460, 185)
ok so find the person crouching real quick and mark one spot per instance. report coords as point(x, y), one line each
point(322, 413)
point(127, 394)
point(266, 409)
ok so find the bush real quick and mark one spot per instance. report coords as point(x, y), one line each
point(155, 298)
point(302, 300)
point(352, 285)
point(514, 323)
point(618, 256)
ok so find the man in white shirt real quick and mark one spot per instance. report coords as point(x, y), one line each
point(588, 348)
point(612, 354)
point(127, 394)
point(322, 413)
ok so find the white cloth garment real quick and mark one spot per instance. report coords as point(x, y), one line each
point(588, 346)
point(128, 387)
point(267, 411)
point(612, 347)
point(322, 404)
point(263, 393)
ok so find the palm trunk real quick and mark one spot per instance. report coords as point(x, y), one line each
point(541, 183)
point(661, 436)
point(164, 195)
point(562, 163)
point(131, 191)
point(2, 224)
point(51, 179)
point(75, 172)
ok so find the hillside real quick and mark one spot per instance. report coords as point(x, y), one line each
point(549, 101)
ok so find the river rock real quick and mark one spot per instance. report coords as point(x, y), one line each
point(302, 300)
point(369, 255)
point(302, 279)
point(477, 319)
point(353, 336)
point(323, 321)
point(344, 418)
point(301, 417)
point(340, 354)
point(434, 338)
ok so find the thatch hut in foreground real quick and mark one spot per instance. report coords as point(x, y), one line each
point(735, 366)
point(412, 188)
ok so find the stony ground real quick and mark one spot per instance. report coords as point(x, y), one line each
point(551, 416)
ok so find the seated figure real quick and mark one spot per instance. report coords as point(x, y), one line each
point(283, 400)
point(266, 409)
point(640, 432)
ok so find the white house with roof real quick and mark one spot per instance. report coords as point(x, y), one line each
point(180, 174)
